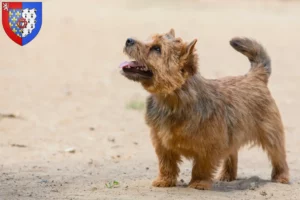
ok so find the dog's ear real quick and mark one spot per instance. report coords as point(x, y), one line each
point(172, 32)
point(190, 47)
point(189, 59)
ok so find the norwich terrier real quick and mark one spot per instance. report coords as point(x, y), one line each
point(202, 119)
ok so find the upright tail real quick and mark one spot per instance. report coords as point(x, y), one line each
point(257, 55)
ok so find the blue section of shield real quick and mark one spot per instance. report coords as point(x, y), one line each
point(38, 25)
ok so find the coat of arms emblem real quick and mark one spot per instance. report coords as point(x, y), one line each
point(22, 21)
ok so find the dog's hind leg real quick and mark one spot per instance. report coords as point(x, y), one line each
point(229, 168)
point(273, 142)
point(277, 155)
point(280, 171)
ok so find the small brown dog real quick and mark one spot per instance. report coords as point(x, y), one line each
point(201, 119)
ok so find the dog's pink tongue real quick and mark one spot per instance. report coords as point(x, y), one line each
point(124, 64)
point(129, 64)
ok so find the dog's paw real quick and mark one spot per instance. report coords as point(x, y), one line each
point(226, 177)
point(282, 178)
point(201, 185)
point(163, 183)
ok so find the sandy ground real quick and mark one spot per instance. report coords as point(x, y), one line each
point(66, 90)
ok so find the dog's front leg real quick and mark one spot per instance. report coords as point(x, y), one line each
point(168, 164)
point(202, 174)
point(168, 168)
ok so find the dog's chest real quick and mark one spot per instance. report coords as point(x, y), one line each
point(173, 139)
point(174, 129)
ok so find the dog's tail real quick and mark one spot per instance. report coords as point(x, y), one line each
point(257, 55)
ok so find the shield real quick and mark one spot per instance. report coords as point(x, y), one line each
point(22, 21)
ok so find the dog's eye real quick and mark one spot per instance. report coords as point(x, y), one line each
point(156, 48)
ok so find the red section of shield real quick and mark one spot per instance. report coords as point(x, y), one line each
point(5, 21)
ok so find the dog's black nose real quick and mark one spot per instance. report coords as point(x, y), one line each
point(129, 42)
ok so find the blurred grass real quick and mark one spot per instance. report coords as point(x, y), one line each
point(135, 105)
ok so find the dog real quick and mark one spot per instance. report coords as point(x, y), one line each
point(205, 120)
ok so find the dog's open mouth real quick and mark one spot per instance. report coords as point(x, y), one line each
point(136, 68)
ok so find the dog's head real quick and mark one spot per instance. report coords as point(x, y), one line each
point(161, 64)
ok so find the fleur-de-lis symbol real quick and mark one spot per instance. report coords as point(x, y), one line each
point(5, 6)
point(18, 13)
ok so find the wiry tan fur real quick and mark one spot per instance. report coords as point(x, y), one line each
point(208, 120)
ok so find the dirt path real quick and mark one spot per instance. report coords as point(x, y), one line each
point(66, 91)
